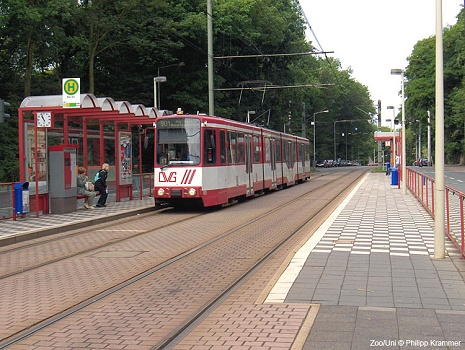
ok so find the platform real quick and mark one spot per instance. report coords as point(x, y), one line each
point(31, 226)
point(370, 272)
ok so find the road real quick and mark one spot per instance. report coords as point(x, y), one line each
point(454, 176)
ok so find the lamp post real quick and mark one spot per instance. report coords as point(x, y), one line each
point(156, 81)
point(394, 133)
point(334, 131)
point(403, 157)
point(314, 134)
point(179, 64)
point(249, 113)
point(392, 148)
point(429, 139)
point(439, 199)
point(419, 140)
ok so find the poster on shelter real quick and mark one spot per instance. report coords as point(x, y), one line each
point(32, 152)
point(125, 158)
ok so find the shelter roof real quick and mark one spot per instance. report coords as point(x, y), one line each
point(86, 100)
point(104, 104)
point(385, 136)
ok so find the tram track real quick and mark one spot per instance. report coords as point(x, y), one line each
point(116, 236)
point(207, 305)
point(124, 233)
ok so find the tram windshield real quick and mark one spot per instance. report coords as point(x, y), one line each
point(178, 141)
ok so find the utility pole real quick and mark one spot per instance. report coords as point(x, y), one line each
point(429, 139)
point(439, 190)
point(211, 86)
point(380, 157)
point(304, 122)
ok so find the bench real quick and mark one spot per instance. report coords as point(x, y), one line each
point(83, 196)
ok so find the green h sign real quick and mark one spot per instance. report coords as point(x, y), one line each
point(71, 92)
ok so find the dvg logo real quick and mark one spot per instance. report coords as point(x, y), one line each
point(163, 178)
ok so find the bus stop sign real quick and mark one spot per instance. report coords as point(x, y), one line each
point(71, 92)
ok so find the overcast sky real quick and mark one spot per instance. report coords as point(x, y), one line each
point(373, 36)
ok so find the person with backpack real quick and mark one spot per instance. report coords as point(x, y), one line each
point(101, 185)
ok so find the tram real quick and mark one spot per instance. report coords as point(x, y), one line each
point(216, 161)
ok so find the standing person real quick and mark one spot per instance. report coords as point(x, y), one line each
point(82, 179)
point(101, 185)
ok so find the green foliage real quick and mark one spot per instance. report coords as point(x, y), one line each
point(9, 160)
point(117, 47)
point(420, 90)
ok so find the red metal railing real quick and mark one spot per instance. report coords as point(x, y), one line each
point(422, 187)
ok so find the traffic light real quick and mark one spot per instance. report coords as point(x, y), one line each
point(3, 115)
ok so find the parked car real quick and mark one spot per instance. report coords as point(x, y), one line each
point(421, 162)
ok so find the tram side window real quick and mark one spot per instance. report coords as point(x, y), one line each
point(301, 153)
point(257, 147)
point(293, 153)
point(223, 149)
point(240, 148)
point(288, 154)
point(232, 146)
point(267, 150)
point(209, 147)
point(278, 151)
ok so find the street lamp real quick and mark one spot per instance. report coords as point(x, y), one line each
point(392, 158)
point(394, 133)
point(249, 113)
point(334, 131)
point(314, 139)
point(179, 64)
point(334, 128)
point(403, 157)
point(156, 81)
point(439, 190)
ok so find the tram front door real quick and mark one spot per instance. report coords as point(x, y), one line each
point(249, 164)
point(273, 162)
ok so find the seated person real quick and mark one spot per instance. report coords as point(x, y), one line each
point(82, 179)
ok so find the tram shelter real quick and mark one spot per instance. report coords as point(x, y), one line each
point(55, 139)
point(394, 143)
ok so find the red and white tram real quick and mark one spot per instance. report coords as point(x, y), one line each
point(215, 161)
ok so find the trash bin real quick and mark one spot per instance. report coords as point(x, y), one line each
point(394, 176)
point(22, 198)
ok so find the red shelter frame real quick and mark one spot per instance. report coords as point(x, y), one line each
point(390, 136)
point(65, 122)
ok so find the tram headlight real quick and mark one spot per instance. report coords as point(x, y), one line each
point(192, 192)
point(160, 192)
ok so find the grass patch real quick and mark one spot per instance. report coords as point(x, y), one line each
point(378, 170)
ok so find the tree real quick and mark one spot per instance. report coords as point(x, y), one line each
point(420, 87)
point(117, 47)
